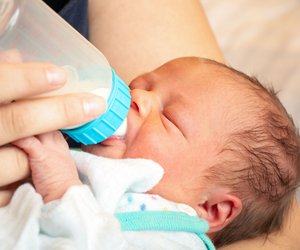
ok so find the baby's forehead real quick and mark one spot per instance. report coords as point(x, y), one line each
point(229, 80)
point(230, 94)
point(219, 80)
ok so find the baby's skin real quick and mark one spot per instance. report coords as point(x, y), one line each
point(45, 152)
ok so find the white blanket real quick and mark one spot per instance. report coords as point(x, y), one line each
point(83, 218)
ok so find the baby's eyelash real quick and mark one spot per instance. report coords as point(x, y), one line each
point(167, 117)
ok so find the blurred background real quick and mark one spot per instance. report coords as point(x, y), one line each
point(262, 39)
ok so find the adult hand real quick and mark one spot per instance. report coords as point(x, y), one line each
point(21, 117)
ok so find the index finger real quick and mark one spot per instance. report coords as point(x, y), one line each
point(20, 80)
point(35, 116)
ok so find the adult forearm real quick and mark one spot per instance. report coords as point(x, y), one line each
point(138, 36)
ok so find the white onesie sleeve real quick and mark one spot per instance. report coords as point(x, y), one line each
point(81, 222)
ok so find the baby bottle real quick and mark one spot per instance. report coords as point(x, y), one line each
point(36, 33)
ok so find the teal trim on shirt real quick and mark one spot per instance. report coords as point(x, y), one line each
point(165, 221)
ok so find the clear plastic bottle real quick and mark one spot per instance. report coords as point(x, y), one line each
point(37, 33)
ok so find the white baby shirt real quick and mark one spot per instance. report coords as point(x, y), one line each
point(98, 215)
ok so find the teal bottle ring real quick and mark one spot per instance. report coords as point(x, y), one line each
point(104, 126)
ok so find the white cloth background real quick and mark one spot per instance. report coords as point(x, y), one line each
point(262, 38)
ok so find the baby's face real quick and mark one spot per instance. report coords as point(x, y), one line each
point(176, 118)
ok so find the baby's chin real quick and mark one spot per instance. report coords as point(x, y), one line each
point(115, 151)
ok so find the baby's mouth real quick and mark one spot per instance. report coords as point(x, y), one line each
point(115, 137)
point(113, 140)
point(118, 136)
point(112, 147)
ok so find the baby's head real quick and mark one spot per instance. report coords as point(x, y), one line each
point(227, 146)
point(259, 160)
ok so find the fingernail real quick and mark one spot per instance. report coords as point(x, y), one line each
point(56, 75)
point(94, 106)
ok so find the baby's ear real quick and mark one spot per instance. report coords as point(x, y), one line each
point(219, 210)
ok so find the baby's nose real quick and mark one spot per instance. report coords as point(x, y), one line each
point(144, 101)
